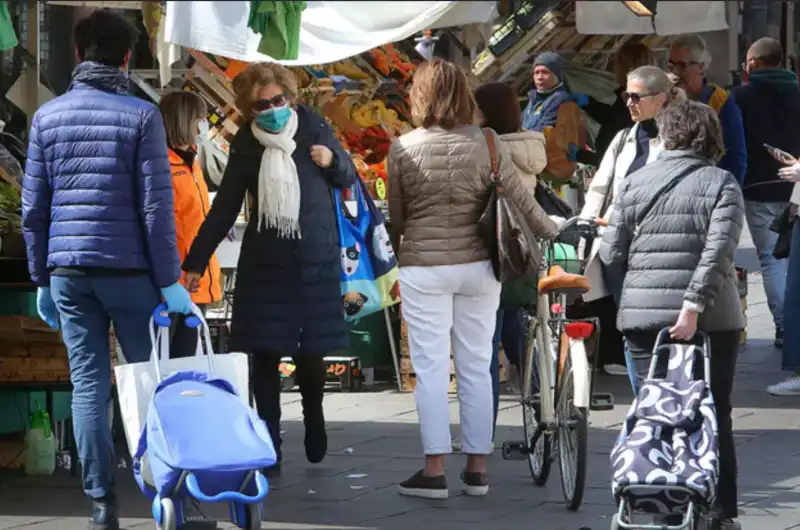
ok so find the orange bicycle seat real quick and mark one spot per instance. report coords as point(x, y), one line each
point(557, 280)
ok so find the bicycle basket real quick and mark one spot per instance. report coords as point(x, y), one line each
point(564, 256)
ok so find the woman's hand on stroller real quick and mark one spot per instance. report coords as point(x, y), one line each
point(686, 325)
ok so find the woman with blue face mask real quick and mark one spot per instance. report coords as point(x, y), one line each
point(287, 302)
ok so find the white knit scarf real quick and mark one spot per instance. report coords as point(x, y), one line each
point(278, 185)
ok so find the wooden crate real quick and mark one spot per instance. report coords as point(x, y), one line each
point(12, 452)
point(409, 382)
point(27, 330)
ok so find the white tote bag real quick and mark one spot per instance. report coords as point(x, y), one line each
point(136, 382)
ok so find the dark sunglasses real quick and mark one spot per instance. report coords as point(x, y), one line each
point(266, 104)
point(635, 98)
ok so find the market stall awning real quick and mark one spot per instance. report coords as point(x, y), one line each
point(330, 31)
point(671, 18)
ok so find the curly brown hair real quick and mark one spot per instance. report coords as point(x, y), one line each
point(691, 126)
point(258, 75)
point(500, 107)
point(440, 95)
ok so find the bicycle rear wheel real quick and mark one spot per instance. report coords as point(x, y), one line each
point(572, 438)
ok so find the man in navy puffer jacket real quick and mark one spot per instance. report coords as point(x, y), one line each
point(98, 222)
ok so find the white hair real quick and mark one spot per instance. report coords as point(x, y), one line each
point(696, 46)
point(653, 77)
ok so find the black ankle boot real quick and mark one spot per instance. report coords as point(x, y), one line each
point(316, 439)
point(104, 514)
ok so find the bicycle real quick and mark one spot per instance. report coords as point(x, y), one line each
point(556, 363)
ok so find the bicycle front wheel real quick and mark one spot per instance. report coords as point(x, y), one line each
point(572, 436)
point(538, 450)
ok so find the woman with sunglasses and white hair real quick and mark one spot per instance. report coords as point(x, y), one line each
point(287, 301)
point(648, 89)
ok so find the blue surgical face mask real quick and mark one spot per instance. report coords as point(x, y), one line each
point(274, 119)
point(203, 128)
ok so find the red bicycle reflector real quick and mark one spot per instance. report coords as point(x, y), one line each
point(578, 330)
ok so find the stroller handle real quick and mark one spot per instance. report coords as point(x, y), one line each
point(663, 336)
point(163, 319)
point(229, 496)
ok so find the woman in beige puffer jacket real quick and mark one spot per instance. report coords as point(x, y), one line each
point(439, 185)
point(500, 110)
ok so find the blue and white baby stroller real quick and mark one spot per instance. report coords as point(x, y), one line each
point(665, 461)
point(201, 440)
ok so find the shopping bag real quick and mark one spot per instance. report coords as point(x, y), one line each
point(136, 382)
point(370, 274)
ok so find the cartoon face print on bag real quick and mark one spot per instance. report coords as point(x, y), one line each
point(381, 244)
point(354, 303)
point(350, 257)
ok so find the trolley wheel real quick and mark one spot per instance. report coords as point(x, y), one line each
point(573, 447)
point(253, 516)
point(168, 519)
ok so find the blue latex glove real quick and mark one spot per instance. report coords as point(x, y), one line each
point(581, 99)
point(572, 153)
point(46, 307)
point(177, 298)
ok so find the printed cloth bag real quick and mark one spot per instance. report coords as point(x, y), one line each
point(369, 266)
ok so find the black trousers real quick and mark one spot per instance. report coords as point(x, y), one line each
point(724, 352)
point(611, 348)
point(183, 339)
point(265, 382)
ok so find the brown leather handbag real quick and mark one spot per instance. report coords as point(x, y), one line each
point(513, 248)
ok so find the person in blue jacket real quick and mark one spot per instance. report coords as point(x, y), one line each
point(547, 95)
point(97, 217)
point(688, 60)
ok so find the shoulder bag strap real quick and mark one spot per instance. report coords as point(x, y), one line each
point(495, 169)
point(617, 151)
point(662, 194)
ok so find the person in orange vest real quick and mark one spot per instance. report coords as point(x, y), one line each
point(688, 60)
point(184, 115)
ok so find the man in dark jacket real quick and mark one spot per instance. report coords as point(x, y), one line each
point(97, 216)
point(770, 104)
point(547, 95)
point(688, 60)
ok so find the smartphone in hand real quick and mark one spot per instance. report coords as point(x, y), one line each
point(780, 155)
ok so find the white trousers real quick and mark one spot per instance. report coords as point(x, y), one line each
point(443, 306)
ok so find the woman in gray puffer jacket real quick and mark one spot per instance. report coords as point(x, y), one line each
point(672, 236)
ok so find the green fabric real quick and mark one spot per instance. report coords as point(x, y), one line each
point(8, 39)
point(782, 80)
point(278, 23)
point(521, 292)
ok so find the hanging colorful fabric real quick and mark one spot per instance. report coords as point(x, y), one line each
point(8, 38)
point(369, 266)
point(278, 23)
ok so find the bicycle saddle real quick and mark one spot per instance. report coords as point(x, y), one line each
point(559, 280)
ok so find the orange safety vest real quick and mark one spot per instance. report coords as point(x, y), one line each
point(191, 208)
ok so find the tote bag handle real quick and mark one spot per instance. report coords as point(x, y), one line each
point(160, 339)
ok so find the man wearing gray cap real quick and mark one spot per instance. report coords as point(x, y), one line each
point(547, 95)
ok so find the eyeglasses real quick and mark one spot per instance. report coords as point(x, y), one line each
point(266, 104)
point(635, 98)
point(680, 65)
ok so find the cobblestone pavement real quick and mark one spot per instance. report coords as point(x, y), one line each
point(374, 444)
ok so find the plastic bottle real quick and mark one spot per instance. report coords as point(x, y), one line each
point(40, 445)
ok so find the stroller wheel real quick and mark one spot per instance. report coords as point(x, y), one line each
point(253, 516)
point(168, 519)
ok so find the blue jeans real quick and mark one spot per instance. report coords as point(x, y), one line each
point(510, 330)
point(87, 305)
point(633, 374)
point(791, 339)
point(773, 271)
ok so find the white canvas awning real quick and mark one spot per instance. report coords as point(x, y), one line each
point(672, 18)
point(330, 31)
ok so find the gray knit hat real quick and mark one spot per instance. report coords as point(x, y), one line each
point(551, 61)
